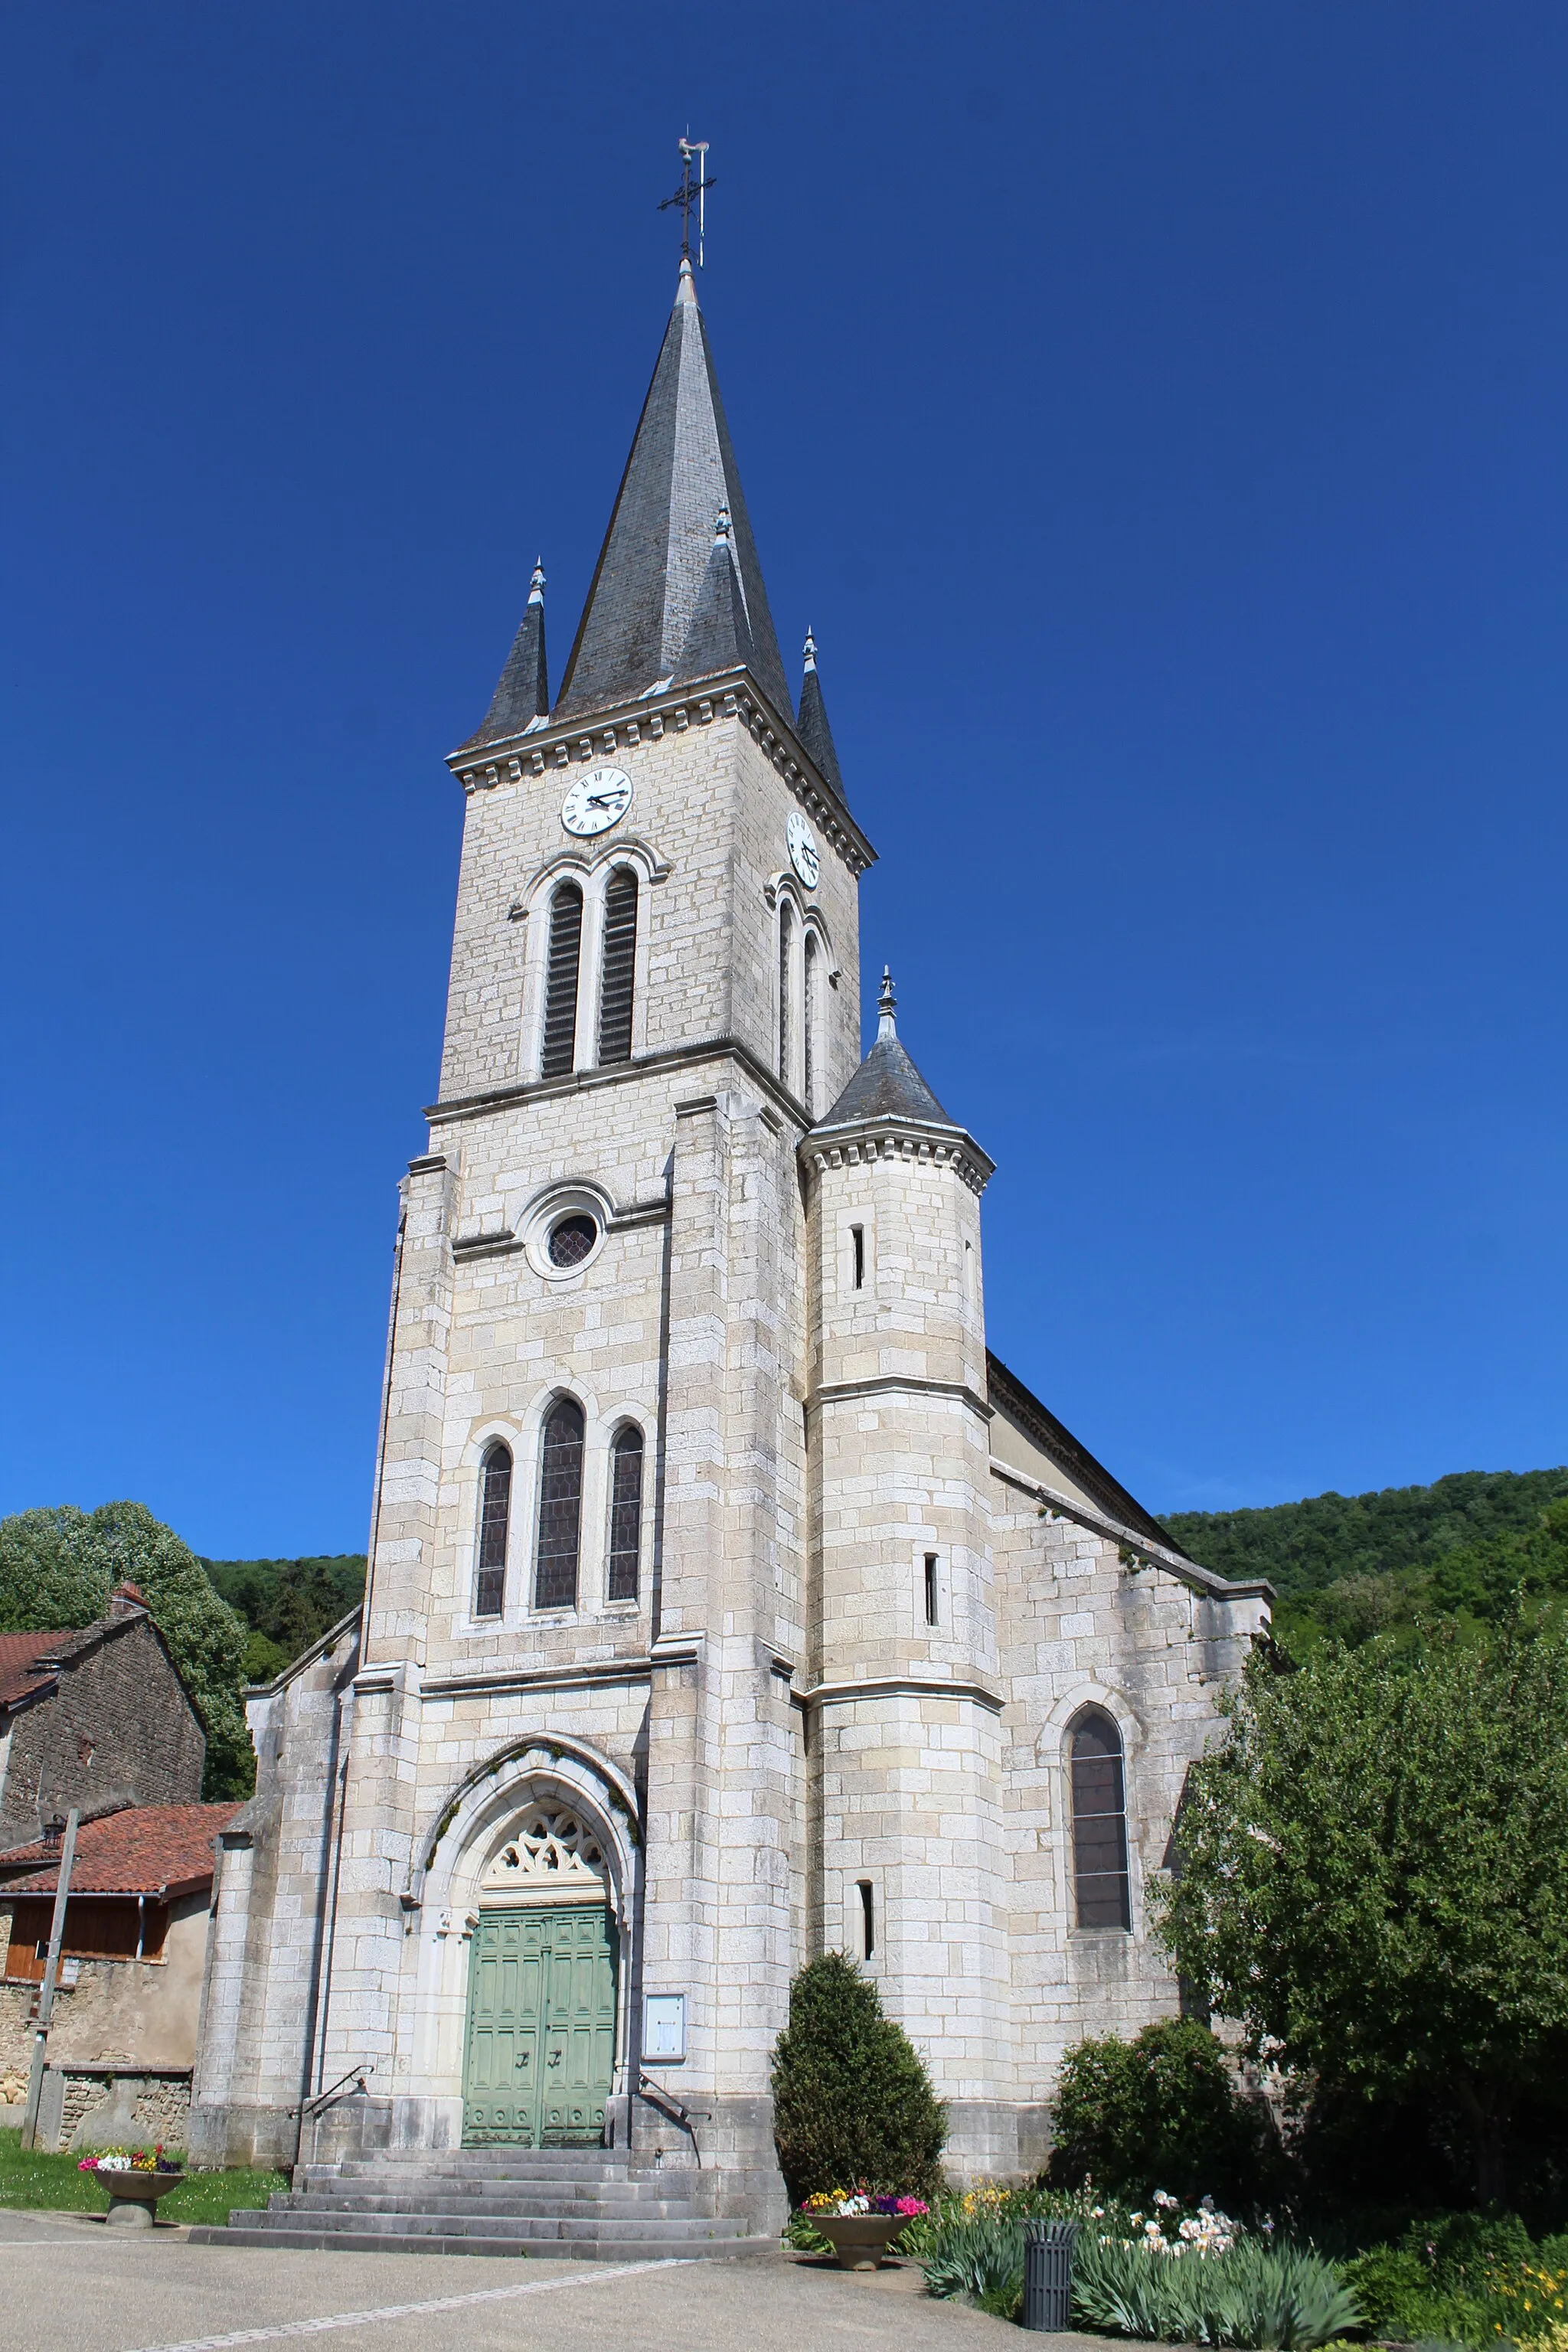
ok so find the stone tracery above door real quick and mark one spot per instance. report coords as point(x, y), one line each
point(550, 1857)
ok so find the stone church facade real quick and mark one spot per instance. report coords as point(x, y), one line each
point(727, 1599)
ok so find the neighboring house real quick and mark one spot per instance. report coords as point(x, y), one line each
point(123, 2036)
point(98, 1719)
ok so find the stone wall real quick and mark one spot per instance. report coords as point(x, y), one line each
point(117, 1730)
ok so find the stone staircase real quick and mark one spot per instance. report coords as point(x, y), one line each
point(582, 2205)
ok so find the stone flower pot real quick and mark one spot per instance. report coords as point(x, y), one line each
point(134, 2196)
point(859, 2238)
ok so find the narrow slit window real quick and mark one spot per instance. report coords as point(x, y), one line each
point(868, 1919)
point(559, 1508)
point(787, 934)
point(857, 1255)
point(561, 982)
point(808, 1018)
point(930, 1588)
point(625, 1516)
point(1099, 1825)
point(494, 1509)
point(617, 967)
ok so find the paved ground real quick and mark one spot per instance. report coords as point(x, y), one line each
point(72, 2285)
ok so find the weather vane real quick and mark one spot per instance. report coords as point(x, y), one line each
point(690, 192)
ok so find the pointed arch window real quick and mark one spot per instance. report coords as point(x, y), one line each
point(617, 967)
point(625, 1516)
point(495, 1511)
point(561, 982)
point(786, 944)
point(559, 1508)
point(810, 993)
point(1099, 1823)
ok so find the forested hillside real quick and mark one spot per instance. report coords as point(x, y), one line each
point(1354, 1565)
point(287, 1604)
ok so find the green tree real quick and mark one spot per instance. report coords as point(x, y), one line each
point(59, 1567)
point(1374, 1872)
point(1162, 2111)
point(852, 2100)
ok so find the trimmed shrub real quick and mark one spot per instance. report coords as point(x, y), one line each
point(852, 2101)
point(1162, 2111)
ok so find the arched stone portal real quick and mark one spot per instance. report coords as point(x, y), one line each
point(540, 2046)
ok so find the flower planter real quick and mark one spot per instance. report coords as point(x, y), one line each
point(859, 2238)
point(134, 2196)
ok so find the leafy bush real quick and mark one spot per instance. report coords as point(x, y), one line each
point(1162, 2111)
point(1261, 2296)
point(852, 2100)
point(59, 1567)
point(1463, 2278)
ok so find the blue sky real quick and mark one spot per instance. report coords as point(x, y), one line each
point(1157, 410)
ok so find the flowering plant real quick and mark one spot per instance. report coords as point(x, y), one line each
point(1169, 2231)
point(844, 2204)
point(127, 2160)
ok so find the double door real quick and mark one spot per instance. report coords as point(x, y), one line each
point(542, 2028)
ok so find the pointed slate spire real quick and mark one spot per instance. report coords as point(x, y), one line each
point(719, 636)
point(655, 566)
point(523, 693)
point(813, 727)
point(887, 1085)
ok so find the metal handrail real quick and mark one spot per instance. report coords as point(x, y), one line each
point(330, 2097)
point(672, 2108)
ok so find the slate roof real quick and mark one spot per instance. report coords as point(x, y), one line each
point(522, 692)
point(887, 1085)
point(1005, 1391)
point(812, 726)
point(160, 1850)
point(637, 625)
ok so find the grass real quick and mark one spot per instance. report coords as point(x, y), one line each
point(52, 2184)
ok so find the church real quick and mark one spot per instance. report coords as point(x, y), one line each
point(728, 1601)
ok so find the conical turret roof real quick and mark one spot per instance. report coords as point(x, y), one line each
point(650, 616)
point(887, 1085)
point(523, 692)
point(812, 727)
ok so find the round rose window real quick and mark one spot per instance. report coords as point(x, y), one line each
point(571, 1240)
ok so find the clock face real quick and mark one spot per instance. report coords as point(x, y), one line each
point(802, 849)
point(597, 800)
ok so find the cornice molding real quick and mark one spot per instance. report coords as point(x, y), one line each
point(675, 1057)
point(481, 1683)
point(860, 1141)
point(1145, 1553)
point(730, 694)
point(902, 1686)
point(832, 1391)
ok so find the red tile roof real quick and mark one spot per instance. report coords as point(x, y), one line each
point(18, 1670)
point(143, 1850)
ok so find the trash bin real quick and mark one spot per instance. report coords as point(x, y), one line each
point(1048, 2274)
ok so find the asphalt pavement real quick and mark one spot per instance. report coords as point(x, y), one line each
point(70, 2283)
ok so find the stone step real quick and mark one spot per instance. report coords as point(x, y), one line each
point(249, 2229)
point(579, 2162)
point(554, 2227)
point(491, 2197)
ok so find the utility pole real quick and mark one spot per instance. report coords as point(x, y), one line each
point(52, 1971)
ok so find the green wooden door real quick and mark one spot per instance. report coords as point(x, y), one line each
point(542, 2028)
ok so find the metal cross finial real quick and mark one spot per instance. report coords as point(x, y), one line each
point(690, 192)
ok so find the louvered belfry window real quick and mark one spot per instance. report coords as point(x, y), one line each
point(494, 1507)
point(617, 967)
point(559, 1508)
point(808, 1024)
point(786, 928)
point(625, 1516)
point(561, 982)
point(1099, 1825)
